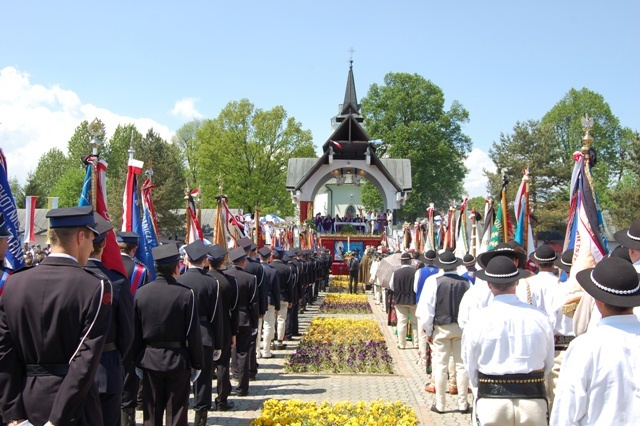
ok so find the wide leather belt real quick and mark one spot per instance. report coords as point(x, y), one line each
point(37, 370)
point(512, 386)
point(109, 347)
point(562, 342)
point(165, 345)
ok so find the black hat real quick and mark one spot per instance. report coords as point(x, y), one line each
point(4, 231)
point(237, 254)
point(166, 253)
point(544, 254)
point(285, 258)
point(245, 243)
point(102, 226)
point(469, 260)
point(501, 270)
point(297, 251)
point(502, 249)
point(196, 251)
point(265, 251)
point(430, 255)
point(613, 281)
point(128, 237)
point(564, 262)
point(291, 253)
point(406, 256)
point(622, 252)
point(447, 260)
point(72, 217)
point(216, 253)
point(629, 237)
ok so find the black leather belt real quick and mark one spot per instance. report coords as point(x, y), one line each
point(37, 370)
point(562, 342)
point(512, 386)
point(109, 347)
point(165, 345)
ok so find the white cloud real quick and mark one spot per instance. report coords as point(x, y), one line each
point(185, 108)
point(36, 118)
point(475, 184)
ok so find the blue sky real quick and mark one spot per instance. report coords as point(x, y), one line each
point(160, 63)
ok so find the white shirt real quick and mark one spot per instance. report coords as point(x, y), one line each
point(541, 288)
point(474, 300)
point(507, 337)
point(372, 272)
point(65, 255)
point(563, 325)
point(393, 276)
point(600, 377)
point(428, 299)
point(422, 311)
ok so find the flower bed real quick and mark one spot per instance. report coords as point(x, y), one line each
point(345, 304)
point(296, 412)
point(340, 345)
point(339, 284)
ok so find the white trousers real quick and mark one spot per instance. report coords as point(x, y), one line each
point(447, 342)
point(404, 311)
point(506, 412)
point(377, 293)
point(281, 320)
point(258, 336)
point(552, 378)
point(268, 330)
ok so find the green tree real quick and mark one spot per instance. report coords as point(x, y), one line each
point(186, 140)
point(79, 146)
point(407, 113)
point(51, 167)
point(626, 194)
point(17, 191)
point(68, 187)
point(477, 203)
point(249, 148)
point(371, 197)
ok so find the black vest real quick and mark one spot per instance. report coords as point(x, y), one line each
point(451, 288)
point(403, 293)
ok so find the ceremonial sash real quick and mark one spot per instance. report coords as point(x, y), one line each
point(137, 278)
point(4, 277)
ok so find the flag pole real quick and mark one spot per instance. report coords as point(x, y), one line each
point(188, 222)
point(96, 130)
point(474, 233)
point(503, 201)
point(525, 239)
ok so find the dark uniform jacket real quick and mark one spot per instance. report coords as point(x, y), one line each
point(255, 268)
point(298, 268)
point(129, 264)
point(247, 297)
point(228, 305)
point(110, 374)
point(286, 279)
point(207, 291)
point(272, 285)
point(55, 314)
point(165, 314)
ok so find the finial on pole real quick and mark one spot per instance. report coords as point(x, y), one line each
point(131, 151)
point(351, 52)
point(587, 139)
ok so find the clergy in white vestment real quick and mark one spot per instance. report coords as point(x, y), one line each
point(508, 351)
point(600, 373)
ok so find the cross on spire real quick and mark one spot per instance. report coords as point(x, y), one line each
point(351, 52)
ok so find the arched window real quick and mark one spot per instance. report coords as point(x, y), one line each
point(351, 211)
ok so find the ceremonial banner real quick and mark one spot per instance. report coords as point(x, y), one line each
point(30, 219)
point(14, 257)
point(149, 219)
point(497, 230)
point(462, 242)
point(194, 228)
point(524, 234)
point(489, 218)
point(111, 255)
point(430, 243)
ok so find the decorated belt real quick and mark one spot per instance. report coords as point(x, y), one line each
point(39, 370)
point(563, 341)
point(165, 345)
point(512, 386)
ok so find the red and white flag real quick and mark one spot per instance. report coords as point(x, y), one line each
point(30, 220)
point(195, 230)
point(129, 198)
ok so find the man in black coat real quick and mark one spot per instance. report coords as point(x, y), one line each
point(292, 315)
point(167, 347)
point(287, 292)
point(207, 292)
point(247, 317)
point(229, 316)
point(110, 375)
point(54, 320)
point(272, 286)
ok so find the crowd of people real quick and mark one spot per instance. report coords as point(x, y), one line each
point(533, 344)
point(370, 223)
point(84, 344)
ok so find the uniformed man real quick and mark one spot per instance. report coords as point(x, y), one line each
point(272, 285)
point(401, 283)
point(167, 347)
point(228, 301)
point(110, 375)
point(54, 321)
point(138, 276)
point(253, 267)
point(287, 291)
point(247, 318)
point(439, 321)
point(4, 245)
point(599, 377)
point(207, 292)
point(507, 349)
point(292, 315)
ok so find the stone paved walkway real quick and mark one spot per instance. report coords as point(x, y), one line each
point(407, 385)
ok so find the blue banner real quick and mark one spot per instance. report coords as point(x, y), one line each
point(14, 257)
point(149, 239)
point(143, 253)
